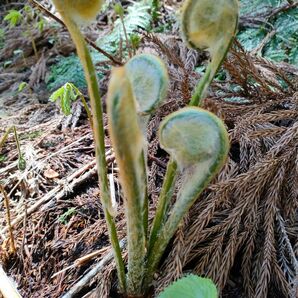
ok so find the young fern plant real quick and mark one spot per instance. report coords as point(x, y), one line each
point(198, 144)
point(195, 139)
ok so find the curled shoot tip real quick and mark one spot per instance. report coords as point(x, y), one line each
point(209, 25)
point(193, 135)
point(149, 79)
point(198, 142)
point(80, 11)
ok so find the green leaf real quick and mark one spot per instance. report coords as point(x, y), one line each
point(137, 17)
point(40, 25)
point(67, 94)
point(13, 17)
point(191, 286)
point(22, 86)
point(280, 47)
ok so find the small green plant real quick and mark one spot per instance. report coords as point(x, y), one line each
point(22, 86)
point(66, 95)
point(24, 17)
point(65, 217)
point(196, 140)
point(13, 17)
point(190, 286)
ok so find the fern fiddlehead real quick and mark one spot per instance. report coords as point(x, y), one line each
point(211, 25)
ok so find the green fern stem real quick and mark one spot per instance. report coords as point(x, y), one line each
point(98, 132)
point(212, 68)
point(4, 137)
point(163, 202)
point(202, 86)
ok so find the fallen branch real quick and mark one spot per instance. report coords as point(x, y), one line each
point(81, 261)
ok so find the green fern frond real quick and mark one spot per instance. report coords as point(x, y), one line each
point(282, 46)
point(137, 16)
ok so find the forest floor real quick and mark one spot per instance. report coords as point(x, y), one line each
point(242, 232)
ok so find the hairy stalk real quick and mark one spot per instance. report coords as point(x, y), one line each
point(206, 80)
point(168, 230)
point(17, 141)
point(96, 107)
point(128, 143)
point(145, 206)
point(163, 202)
point(201, 87)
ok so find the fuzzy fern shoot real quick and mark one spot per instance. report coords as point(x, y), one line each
point(209, 25)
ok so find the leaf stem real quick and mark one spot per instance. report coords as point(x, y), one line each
point(17, 141)
point(202, 86)
point(163, 202)
point(96, 106)
point(180, 208)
